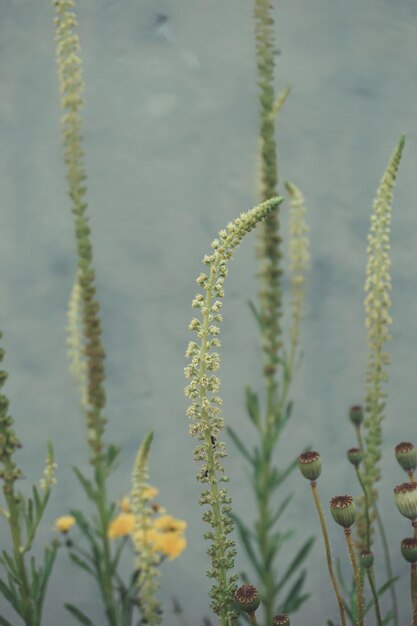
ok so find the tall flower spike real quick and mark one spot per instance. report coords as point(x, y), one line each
point(378, 321)
point(299, 256)
point(269, 248)
point(72, 88)
point(146, 558)
point(205, 410)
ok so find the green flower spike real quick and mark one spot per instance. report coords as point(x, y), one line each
point(366, 559)
point(355, 456)
point(247, 598)
point(281, 620)
point(356, 414)
point(409, 549)
point(310, 465)
point(343, 510)
point(406, 499)
point(405, 453)
point(205, 408)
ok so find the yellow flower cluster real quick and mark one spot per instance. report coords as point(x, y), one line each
point(165, 535)
point(65, 523)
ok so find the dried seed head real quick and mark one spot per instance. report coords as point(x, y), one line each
point(310, 465)
point(355, 456)
point(405, 453)
point(343, 510)
point(406, 499)
point(281, 620)
point(247, 598)
point(356, 414)
point(409, 549)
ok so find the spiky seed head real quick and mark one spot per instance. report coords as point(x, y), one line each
point(406, 499)
point(366, 558)
point(409, 549)
point(343, 510)
point(405, 453)
point(355, 456)
point(310, 465)
point(356, 414)
point(247, 598)
point(281, 620)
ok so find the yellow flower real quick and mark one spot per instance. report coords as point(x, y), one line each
point(122, 525)
point(171, 544)
point(64, 523)
point(168, 524)
point(150, 492)
point(124, 505)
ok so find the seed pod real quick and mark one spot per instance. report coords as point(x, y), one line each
point(405, 453)
point(356, 414)
point(343, 510)
point(355, 456)
point(247, 598)
point(310, 465)
point(366, 558)
point(409, 549)
point(406, 499)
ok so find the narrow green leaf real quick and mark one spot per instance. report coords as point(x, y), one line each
point(81, 563)
point(252, 406)
point(10, 595)
point(85, 483)
point(293, 597)
point(275, 517)
point(296, 562)
point(4, 622)
point(76, 612)
point(257, 316)
point(240, 445)
point(245, 534)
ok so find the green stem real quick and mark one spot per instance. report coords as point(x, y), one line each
point(357, 575)
point(28, 607)
point(413, 580)
point(370, 574)
point(106, 578)
point(388, 565)
point(328, 552)
point(263, 538)
point(368, 521)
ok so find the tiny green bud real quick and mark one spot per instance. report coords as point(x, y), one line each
point(281, 620)
point(405, 453)
point(310, 465)
point(409, 549)
point(406, 499)
point(366, 558)
point(356, 414)
point(247, 598)
point(343, 510)
point(355, 456)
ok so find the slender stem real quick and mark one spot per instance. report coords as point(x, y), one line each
point(413, 580)
point(328, 552)
point(370, 574)
point(106, 578)
point(359, 437)
point(388, 564)
point(368, 521)
point(254, 621)
point(357, 575)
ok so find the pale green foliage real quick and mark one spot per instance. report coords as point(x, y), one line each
point(205, 410)
point(146, 558)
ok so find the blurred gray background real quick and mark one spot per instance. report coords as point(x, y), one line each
point(171, 153)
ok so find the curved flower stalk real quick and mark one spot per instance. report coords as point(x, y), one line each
point(205, 410)
point(24, 585)
point(146, 559)
point(378, 321)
